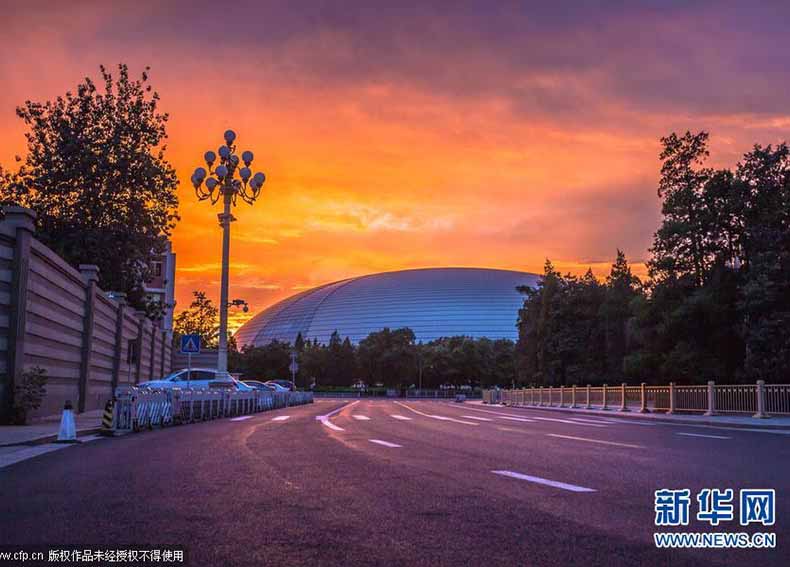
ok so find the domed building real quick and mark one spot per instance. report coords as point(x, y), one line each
point(432, 302)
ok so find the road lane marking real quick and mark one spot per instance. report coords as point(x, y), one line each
point(324, 419)
point(439, 417)
point(705, 436)
point(242, 418)
point(567, 421)
point(547, 482)
point(477, 418)
point(400, 417)
point(636, 422)
point(385, 443)
point(281, 418)
point(524, 419)
point(361, 417)
point(601, 441)
point(520, 430)
point(593, 421)
point(530, 416)
point(331, 425)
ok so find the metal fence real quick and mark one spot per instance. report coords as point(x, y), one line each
point(140, 408)
point(759, 400)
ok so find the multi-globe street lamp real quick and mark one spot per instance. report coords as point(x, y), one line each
point(221, 182)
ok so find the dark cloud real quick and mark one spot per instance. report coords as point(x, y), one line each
point(586, 61)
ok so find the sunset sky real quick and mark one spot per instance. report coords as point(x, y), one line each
point(488, 134)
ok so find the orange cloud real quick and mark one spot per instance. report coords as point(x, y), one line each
point(448, 142)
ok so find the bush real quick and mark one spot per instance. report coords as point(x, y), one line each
point(29, 392)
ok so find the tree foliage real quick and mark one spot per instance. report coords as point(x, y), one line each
point(574, 329)
point(96, 175)
point(389, 357)
point(717, 305)
point(201, 318)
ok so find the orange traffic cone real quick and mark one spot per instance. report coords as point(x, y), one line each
point(68, 428)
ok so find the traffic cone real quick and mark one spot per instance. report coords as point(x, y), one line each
point(68, 428)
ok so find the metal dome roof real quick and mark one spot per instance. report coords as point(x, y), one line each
point(432, 302)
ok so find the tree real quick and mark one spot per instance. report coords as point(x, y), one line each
point(96, 175)
point(202, 318)
point(622, 287)
point(678, 247)
point(388, 356)
point(268, 362)
point(764, 304)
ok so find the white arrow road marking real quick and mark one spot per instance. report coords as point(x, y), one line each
point(385, 443)
point(242, 418)
point(601, 441)
point(547, 482)
point(324, 419)
point(705, 436)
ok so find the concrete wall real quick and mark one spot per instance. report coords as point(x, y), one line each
point(59, 319)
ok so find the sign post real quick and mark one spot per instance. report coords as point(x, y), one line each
point(190, 344)
point(294, 367)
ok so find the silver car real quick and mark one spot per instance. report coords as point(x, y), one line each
point(196, 378)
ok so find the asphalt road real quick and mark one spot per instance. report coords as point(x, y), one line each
point(384, 482)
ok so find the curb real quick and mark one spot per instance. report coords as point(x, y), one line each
point(713, 422)
point(52, 438)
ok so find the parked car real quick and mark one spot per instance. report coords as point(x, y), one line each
point(277, 387)
point(196, 378)
point(258, 385)
point(287, 384)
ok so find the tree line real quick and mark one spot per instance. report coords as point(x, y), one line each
point(389, 357)
point(716, 304)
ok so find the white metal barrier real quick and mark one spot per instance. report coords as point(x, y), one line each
point(140, 408)
point(759, 400)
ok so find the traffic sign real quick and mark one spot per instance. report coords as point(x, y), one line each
point(190, 344)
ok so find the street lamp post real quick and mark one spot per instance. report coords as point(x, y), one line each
point(220, 182)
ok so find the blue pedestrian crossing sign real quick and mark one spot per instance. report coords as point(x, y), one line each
point(190, 344)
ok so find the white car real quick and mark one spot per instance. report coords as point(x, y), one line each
point(197, 379)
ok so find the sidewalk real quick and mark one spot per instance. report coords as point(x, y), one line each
point(45, 429)
point(745, 421)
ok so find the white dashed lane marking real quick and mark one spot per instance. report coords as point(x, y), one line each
point(361, 417)
point(281, 418)
point(384, 443)
point(545, 481)
point(400, 417)
point(705, 436)
point(524, 419)
point(599, 441)
point(477, 418)
point(439, 417)
point(535, 417)
point(242, 418)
